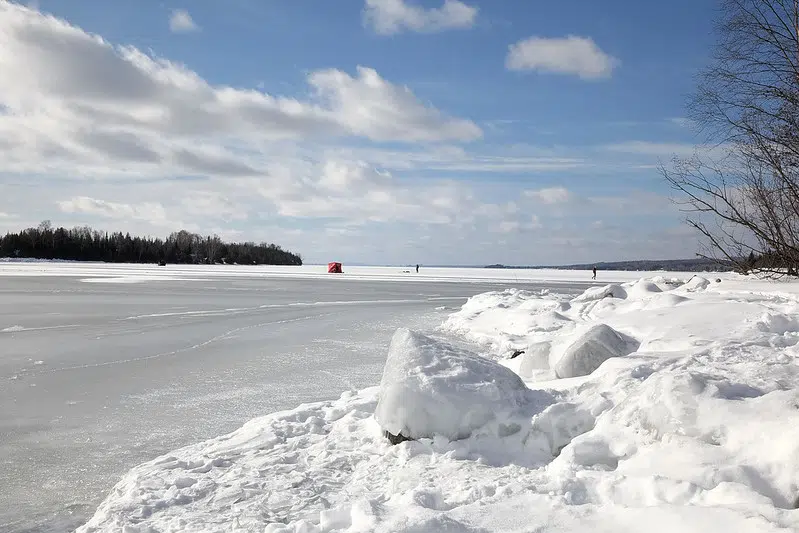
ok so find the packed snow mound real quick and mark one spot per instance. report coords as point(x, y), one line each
point(430, 389)
point(535, 359)
point(590, 350)
point(669, 283)
point(598, 293)
point(643, 289)
point(696, 283)
point(778, 323)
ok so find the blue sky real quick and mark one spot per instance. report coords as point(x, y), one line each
point(372, 131)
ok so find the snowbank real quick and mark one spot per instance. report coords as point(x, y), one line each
point(697, 430)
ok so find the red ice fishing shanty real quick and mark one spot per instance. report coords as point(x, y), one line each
point(334, 268)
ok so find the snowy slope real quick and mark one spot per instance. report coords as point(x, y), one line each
point(696, 430)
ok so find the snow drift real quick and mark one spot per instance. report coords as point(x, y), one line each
point(691, 424)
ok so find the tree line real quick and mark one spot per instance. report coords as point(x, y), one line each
point(85, 244)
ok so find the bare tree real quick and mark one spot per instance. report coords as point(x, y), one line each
point(743, 196)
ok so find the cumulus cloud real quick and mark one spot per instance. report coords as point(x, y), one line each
point(388, 17)
point(73, 97)
point(550, 195)
point(369, 106)
point(181, 22)
point(575, 55)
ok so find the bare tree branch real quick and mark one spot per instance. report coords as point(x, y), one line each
point(748, 102)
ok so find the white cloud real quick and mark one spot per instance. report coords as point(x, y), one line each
point(567, 55)
point(213, 204)
point(454, 159)
point(181, 22)
point(369, 106)
point(517, 226)
point(663, 149)
point(151, 212)
point(509, 226)
point(682, 122)
point(358, 192)
point(72, 99)
point(550, 195)
point(631, 203)
point(388, 17)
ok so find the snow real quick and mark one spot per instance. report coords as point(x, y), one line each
point(599, 293)
point(692, 425)
point(590, 350)
point(433, 389)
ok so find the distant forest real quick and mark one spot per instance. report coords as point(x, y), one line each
point(85, 244)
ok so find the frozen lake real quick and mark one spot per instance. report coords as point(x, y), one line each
point(98, 377)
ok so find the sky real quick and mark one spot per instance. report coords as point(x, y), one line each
point(371, 131)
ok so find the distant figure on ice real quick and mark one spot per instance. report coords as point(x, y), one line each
point(594, 276)
point(417, 269)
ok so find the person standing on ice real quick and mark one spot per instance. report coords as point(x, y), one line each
point(417, 269)
point(594, 276)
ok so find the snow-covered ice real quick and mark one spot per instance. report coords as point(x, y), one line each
point(139, 273)
point(695, 430)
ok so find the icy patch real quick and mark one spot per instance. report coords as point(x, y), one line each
point(433, 389)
